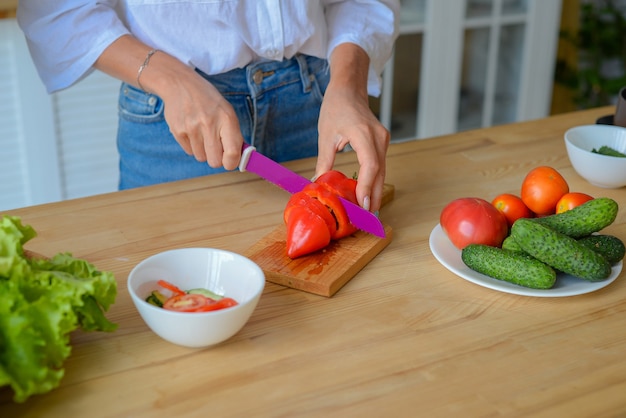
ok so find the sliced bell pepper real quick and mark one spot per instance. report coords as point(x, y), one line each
point(303, 199)
point(307, 232)
point(315, 215)
point(332, 202)
point(339, 183)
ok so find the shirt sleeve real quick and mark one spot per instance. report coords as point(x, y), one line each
point(66, 37)
point(373, 25)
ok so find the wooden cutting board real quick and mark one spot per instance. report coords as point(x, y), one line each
point(323, 272)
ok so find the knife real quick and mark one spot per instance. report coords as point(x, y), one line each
point(270, 170)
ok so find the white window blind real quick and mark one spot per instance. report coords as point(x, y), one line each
point(86, 121)
point(52, 147)
point(12, 176)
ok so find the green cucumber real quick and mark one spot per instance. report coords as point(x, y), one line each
point(206, 292)
point(156, 298)
point(583, 220)
point(560, 251)
point(510, 266)
point(612, 248)
point(510, 244)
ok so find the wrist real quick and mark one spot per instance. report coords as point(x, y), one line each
point(143, 66)
point(349, 68)
point(161, 73)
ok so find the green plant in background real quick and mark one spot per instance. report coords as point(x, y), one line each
point(600, 71)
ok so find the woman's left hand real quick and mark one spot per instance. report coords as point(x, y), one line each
point(346, 118)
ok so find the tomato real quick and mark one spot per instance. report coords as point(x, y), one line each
point(512, 206)
point(542, 188)
point(571, 200)
point(220, 304)
point(195, 302)
point(187, 302)
point(472, 220)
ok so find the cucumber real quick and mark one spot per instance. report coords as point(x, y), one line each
point(560, 251)
point(612, 248)
point(156, 298)
point(510, 244)
point(510, 266)
point(206, 292)
point(583, 220)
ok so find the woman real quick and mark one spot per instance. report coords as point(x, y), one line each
point(201, 76)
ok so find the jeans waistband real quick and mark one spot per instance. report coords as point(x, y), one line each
point(258, 75)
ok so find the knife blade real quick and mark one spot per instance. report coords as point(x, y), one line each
point(270, 170)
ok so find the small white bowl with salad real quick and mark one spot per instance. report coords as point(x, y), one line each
point(598, 154)
point(196, 297)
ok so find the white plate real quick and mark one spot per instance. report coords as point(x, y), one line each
point(450, 256)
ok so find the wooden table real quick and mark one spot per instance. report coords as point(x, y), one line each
point(405, 337)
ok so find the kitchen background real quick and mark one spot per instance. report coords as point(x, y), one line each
point(457, 65)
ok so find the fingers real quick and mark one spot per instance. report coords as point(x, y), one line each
point(325, 157)
point(232, 141)
point(214, 138)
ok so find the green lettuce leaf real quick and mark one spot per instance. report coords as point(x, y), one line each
point(41, 303)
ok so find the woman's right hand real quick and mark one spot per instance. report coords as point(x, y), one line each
point(200, 119)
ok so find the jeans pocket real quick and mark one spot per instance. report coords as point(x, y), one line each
point(319, 75)
point(138, 106)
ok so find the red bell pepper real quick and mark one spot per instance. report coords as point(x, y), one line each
point(315, 215)
point(338, 183)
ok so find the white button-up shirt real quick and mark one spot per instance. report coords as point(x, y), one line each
point(66, 37)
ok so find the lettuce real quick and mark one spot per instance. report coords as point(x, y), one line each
point(41, 302)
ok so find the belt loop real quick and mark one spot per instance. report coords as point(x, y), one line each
point(305, 76)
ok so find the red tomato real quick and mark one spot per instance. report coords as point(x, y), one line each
point(571, 200)
point(187, 302)
point(542, 188)
point(472, 220)
point(220, 304)
point(194, 302)
point(512, 207)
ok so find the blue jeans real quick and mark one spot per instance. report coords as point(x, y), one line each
point(277, 104)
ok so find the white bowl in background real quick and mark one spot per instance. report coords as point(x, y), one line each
point(599, 170)
point(222, 272)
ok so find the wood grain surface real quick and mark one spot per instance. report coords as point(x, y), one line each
point(404, 338)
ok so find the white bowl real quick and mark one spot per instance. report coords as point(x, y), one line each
point(223, 272)
point(599, 170)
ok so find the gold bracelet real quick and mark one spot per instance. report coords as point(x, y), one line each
point(143, 67)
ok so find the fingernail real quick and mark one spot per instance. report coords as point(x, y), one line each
point(376, 213)
point(313, 178)
point(366, 203)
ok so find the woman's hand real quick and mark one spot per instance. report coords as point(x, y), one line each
point(200, 119)
point(345, 118)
